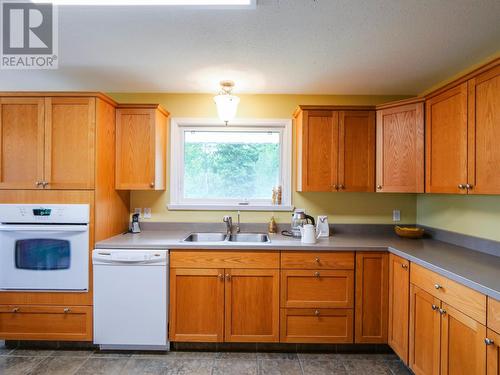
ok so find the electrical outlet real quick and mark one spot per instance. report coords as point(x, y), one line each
point(396, 215)
point(138, 211)
point(147, 213)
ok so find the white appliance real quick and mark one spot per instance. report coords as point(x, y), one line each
point(44, 247)
point(131, 299)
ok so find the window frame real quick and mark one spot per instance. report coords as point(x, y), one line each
point(179, 125)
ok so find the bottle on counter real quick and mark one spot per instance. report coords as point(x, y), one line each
point(272, 227)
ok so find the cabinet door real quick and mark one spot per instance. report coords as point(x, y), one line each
point(318, 151)
point(399, 305)
point(446, 141)
point(425, 338)
point(493, 353)
point(21, 143)
point(69, 143)
point(196, 305)
point(463, 350)
point(484, 132)
point(400, 149)
point(135, 149)
point(252, 305)
point(372, 279)
point(357, 151)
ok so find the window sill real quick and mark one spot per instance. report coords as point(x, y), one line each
point(226, 207)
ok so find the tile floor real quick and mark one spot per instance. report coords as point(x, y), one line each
point(54, 362)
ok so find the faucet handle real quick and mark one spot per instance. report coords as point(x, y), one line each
point(227, 219)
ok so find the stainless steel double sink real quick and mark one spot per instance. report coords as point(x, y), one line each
point(223, 237)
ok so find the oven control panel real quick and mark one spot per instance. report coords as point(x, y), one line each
point(44, 213)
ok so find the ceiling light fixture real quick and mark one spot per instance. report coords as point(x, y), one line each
point(226, 102)
point(226, 4)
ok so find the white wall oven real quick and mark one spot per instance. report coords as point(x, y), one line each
point(44, 247)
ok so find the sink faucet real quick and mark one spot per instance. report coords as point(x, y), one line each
point(229, 224)
point(238, 225)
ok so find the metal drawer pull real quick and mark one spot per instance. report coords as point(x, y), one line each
point(437, 286)
point(434, 307)
point(316, 312)
point(67, 310)
point(469, 186)
point(379, 187)
point(15, 309)
point(317, 274)
point(488, 341)
point(442, 311)
point(461, 186)
point(404, 266)
point(228, 277)
point(317, 260)
point(221, 277)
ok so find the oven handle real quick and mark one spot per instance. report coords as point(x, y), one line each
point(43, 228)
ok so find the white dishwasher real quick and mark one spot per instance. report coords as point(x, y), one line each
point(131, 299)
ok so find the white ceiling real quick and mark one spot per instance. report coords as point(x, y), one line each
point(284, 46)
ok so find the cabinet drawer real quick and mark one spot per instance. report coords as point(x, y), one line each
point(317, 288)
point(315, 260)
point(316, 325)
point(60, 323)
point(494, 315)
point(466, 300)
point(224, 259)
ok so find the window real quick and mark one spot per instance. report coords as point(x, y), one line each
point(230, 167)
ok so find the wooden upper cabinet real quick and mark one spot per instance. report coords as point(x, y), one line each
point(463, 350)
point(252, 305)
point(484, 133)
point(399, 305)
point(335, 148)
point(317, 150)
point(356, 151)
point(371, 308)
point(69, 143)
point(425, 332)
point(400, 147)
point(196, 305)
point(446, 141)
point(141, 139)
point(21, 142)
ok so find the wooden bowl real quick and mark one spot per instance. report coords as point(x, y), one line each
point(409, 232)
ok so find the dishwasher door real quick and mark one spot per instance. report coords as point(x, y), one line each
point(131, 299)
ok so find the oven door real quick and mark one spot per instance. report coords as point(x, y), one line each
point(44, 257)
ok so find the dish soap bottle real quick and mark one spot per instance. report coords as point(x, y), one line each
point(272, 227)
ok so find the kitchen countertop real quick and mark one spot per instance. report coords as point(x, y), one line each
point(474, 269)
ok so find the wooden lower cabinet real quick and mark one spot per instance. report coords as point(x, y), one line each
point(463, 350)
point(196, 305)
point(493, 353)
point(425, 336)
point(317, 289)
point(371, 309)
point(316, 325)
point(399, 305)
point(62, 323)
point(252, 305)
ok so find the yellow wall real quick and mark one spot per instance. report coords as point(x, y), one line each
point(340, 207)
point(475, 215)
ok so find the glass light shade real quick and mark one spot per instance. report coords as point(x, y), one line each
point(227, 105)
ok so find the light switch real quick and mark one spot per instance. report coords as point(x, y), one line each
point(147, 213)
point(396, 215)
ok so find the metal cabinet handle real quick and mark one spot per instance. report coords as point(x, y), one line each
point(45, 184)
point(379, 187)
point(67, 310)
point(434, 307)
point(488, 341)
point(469, 186)
point(461, 186)
point(336, 187)
point(341, 187)
point(228, 277)
point(38, 183)
point(404, 266)
point(15, 309)
point(316, 312)
point(221, 277)
point(317, 274)
point(437, 286)
point(317, 260)
point(442, 311)
point(152, 184)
